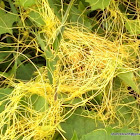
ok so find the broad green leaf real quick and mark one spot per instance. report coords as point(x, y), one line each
point(77, 16)
point(80, 125)
point(39, 103)
point(3, 95)
point(4, 92)
point(111, 134)
point(56, 6)
point(128, 78)
point(3, 56)
point(25, 72)
point(74, 137)
point(98, 4)
point(6, 22)
point(125, 113)
point(36, 17)
point(81, 6)
point(25, 3)
point(96, 134)
point(133, 26)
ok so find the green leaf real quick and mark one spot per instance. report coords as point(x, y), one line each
point(109, 134)
point(128, 78)
point(39, 103)
point(74, 137)
point(81, 6)
point(77, 16)
point(124, 113)
point(51, 61)
point(36, 17)
point(133, 26)
point(80, 125)
point(57, 40)
point(97, 135)
point(2, 5)
point(4, 92)
point(56, 6)
point(25, 72)
point(3, 95)
point(3, 56)
point(51, 65)
point(6, 22)
point(25, 3)
point(98, 4)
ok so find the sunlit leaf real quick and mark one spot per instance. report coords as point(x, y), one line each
point(36, 17)
point(25, 3)
point(80, 125)
point(133, 26)
point(74, 137)
point(98, 4)
point(6, 22)
point(39, 103)
point(128, 78)
point(111, 134)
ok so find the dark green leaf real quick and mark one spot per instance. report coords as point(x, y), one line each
point(25, 72)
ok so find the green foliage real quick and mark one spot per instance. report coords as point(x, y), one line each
point(98, 4)
point(3, 56)
point(133, 26)
point(74, 137)
point(6, 22)
point(79, 125)
point(4, 92)
point(111, 134)
point(35, 17)
point(2, 5)
point(128, 78)
point(26, 3)
point(25, 72)
point(39, 103)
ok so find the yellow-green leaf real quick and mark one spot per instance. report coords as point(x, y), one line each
point(133, 26)
point(128, 78)
point(98, 4)
point(6, 22)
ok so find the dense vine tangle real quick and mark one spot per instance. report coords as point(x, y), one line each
point(87, 62)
